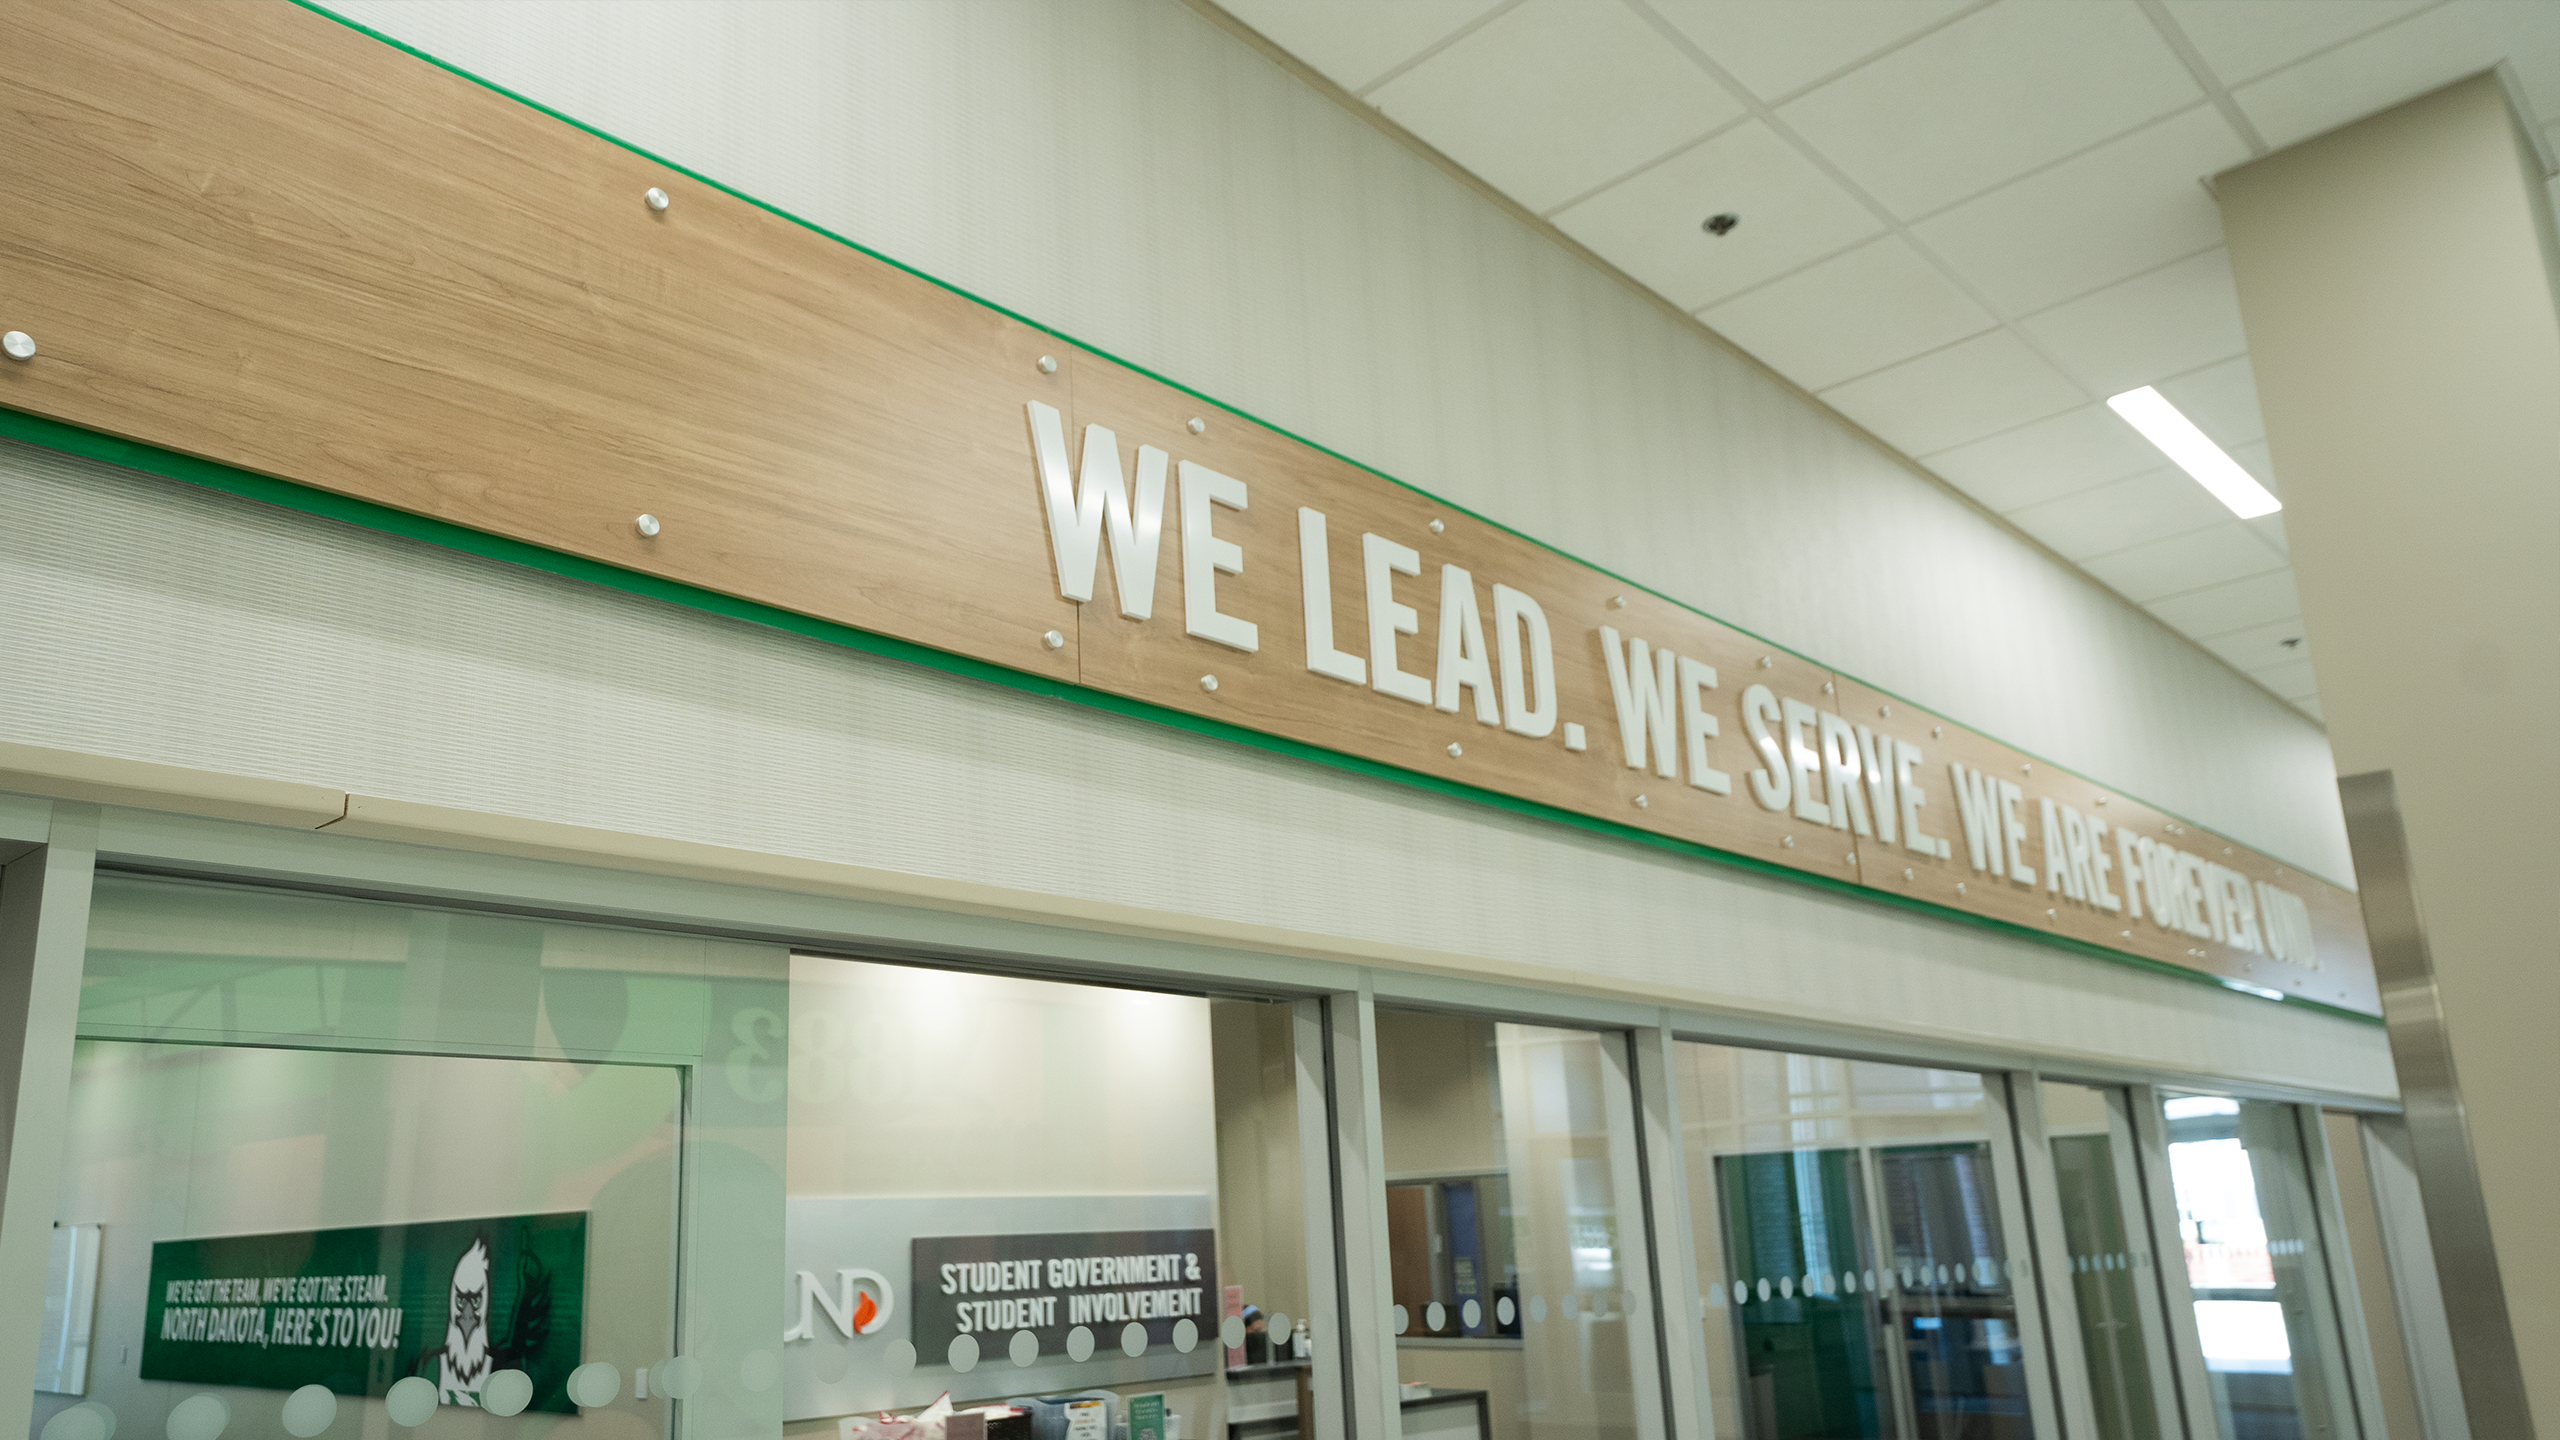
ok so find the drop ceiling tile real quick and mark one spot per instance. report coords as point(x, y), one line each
point(1777, 47)
point(2158, 569)
point(2399, 62)
point(1791, 212)
point(2258, 460)
point(1973, 388)
point(1353, 42)
point(2107, 518)
point(2222, 400)
point(1990, 97)
point(2072, 451)
point(2270, 528)
point(2221, 609)
point(2244, 41)
point(1853, 313)
point(2164, 322)
point(2259, 646)
point(2292, 680)
point(1548, 100)
point(2130, 205)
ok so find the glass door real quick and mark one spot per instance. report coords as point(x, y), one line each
point(1853, 1249)
point(2266, 1316)
point(2115, 1290)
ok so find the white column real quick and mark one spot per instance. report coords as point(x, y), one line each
point(2397, 280)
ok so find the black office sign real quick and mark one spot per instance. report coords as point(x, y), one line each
point(993, 1287)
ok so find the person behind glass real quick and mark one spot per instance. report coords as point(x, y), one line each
point(1257, 1336)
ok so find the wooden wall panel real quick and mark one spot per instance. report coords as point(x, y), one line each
point(247, 233)
point(250, 234)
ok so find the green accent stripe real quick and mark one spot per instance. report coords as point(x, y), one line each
point(1168, 381)
point(57, 435)
point(75, 440)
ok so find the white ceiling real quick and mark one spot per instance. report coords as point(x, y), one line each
point(1964, 222)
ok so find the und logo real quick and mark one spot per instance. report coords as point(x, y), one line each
point(861, 1305)
point(470, 1355)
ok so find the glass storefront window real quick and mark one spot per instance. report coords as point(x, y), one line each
point(1509, 1245)
point(2265, 1315)
point(1072, 1201)
point(340, 1167)
point(1853, 1266)
point(2110, 1260)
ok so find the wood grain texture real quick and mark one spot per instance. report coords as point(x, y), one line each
point(247, 233)
point(250, 234)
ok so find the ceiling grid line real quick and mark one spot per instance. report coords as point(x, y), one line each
point(1884, 214)
point(1427, 52)
point(2215, 91)
point(2034, 228)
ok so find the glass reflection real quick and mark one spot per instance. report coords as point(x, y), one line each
point(1856, 1276)
point(2264, 1313)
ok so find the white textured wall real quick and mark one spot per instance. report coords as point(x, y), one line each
point(146, 618)
point(1130, 174)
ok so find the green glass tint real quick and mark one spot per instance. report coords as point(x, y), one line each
point(1855, 1278)
point(2114, 1285)
point(2266, 1313)
point(336, 1166)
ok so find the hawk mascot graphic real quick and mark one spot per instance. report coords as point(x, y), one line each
point(470, 1354)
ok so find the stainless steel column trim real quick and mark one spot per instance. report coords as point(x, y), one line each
point(2049, 1255)
point(2007, 1181)
point(2415, 1290)
point(1627, 1183)
point(1317, 1189)
point(1370, 1401)
point(44, 940)
point(2169, 1243)
point(2484, 1347)
point(1685, 1374)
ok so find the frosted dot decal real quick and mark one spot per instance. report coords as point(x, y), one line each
point(962, 1354)
point(901, 1358)
point(1763, 1287)
point(1715, 1296)
point(410, 1403)
point(1186, 1336)
point(93, 1421)
point(1786, 1287)
point(1278, 1330)
point(1133, 1339)
point(1023, 1349)
point(1401, 1318)
point(759, 1370)
point(597, 1382)
point(677, 1379)
point(1471, 1315)
point(1503, 1310)
point(1434, 1316)
point(1538, 1309)
point(1080, 1339)
point(1230, 1333)
point(506, 1393)
point(307, 1412)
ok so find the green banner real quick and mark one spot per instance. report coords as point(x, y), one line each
point(454, 1301)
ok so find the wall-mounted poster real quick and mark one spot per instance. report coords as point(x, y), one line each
point(454, 1301)
point(892, 1300)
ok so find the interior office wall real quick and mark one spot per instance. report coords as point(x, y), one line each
point(158, 621)
point(1262, 1211)
point(1128, 172)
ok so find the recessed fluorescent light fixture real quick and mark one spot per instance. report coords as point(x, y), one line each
point(2179, 439)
